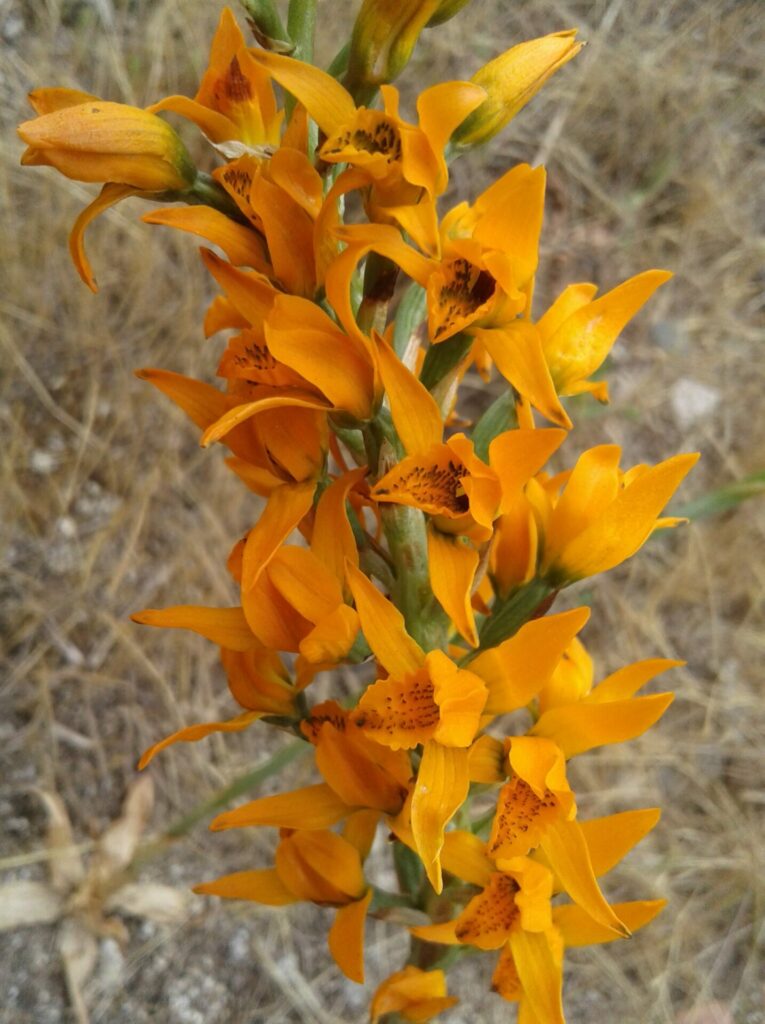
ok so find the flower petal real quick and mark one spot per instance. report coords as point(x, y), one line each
point(519, 667)
point(226, 627)
point(440, 790)
point(242, 245)
point(452, 563)
point(286, 507)
point(192, 733)
point(263, 886)
point(579, 929)
point(110, 194)
point(566, 849)
point(540, 973)
point(328, 103)
point(516, 348)
point(346, 938)
point(383, 626)
point(313, 807)
point(580, 727)
point(415, 412)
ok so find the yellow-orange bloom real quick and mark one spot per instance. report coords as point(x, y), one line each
point(603, 515)
point(511, 80)
point(320, 867)
point(235, 103)
point(97, 140)
point(414, 994)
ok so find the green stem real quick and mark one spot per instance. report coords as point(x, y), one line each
point(301, 25)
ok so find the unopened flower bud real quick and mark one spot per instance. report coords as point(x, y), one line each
point(384, 35)
point(511, 80)
point(101, 141)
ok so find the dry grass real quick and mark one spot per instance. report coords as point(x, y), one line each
point(109, 506)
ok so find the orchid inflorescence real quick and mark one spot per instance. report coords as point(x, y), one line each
point(389, 533)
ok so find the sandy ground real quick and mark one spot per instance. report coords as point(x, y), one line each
point(109, 506)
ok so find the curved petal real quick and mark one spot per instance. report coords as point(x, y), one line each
point(110, 194)
point(226, 627)
point(452, 563)
point(383, 626)
point(313, 807)
point(287, 505)
point(346, 938)
point(192, 733)
point(329, 104)
point(242, 245)
point(440, 790)
point(415, 412)
point(540, 973)
point(578, 928)
point(580, 727)
point(263, 886)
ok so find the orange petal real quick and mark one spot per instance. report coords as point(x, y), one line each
point(328, 103)
point(625, 682)
point(519, 667)
point(415, 412)
point(110, 194)
point(313, 807)
point(226, 627)
point(540, 973)
point(453, 562)
point(321, 866)
point(431, 481)
point(303, 581)
point(627, 522)
point(568, 302)
point(460, 696)
point(332, 638)
point(517, 455)
point(350, 766)
point(488, 919)
point(383, 626)
point(579, 929)
point(610, 839)
point(216, 126)
point(415, 994)
point(301, 335)
point(259, 886)
point(579, 727)
point(510, 218)
point(346, 938)
point(400, 711)
point(332, 540)
point(286, 507)
point(516, 348)
point(242, 245)
point(201, 402)
point(600, 322)
point(521, 819)
point(360, 829)
point(240, 413)
point(250, 293)
point(440, 790)
point(464, 855)
point(486, 759)
point(45, 101)
point(441, 108)
point(192, 733)
point(566, 849)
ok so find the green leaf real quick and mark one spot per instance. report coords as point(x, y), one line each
point(724, 498)
point(499, 417)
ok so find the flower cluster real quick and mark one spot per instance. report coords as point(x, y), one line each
point(390, 534)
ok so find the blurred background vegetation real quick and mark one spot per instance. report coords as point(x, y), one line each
point(652, 138)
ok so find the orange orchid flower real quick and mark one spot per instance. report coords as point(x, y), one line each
point(89, 139)
point(235, 102)
point(257, 677)
point(401, 166)
point(415, 995)
point(425, 700)
point(320, 867)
